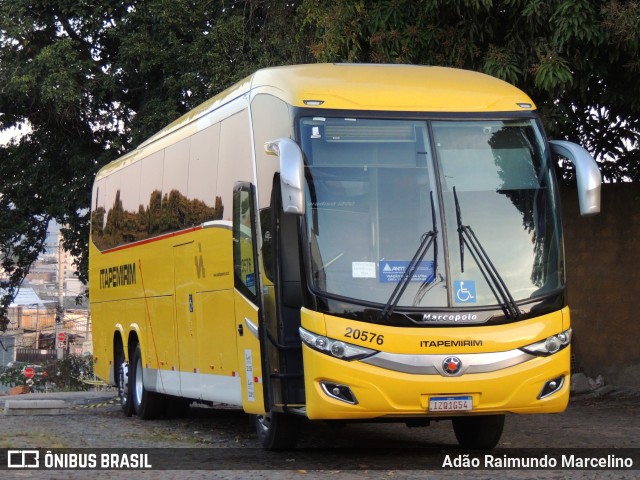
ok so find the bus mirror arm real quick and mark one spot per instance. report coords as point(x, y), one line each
point(588, 175)
point(291, 174)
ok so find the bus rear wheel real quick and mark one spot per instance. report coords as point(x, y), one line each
point(146, 405)
point(278, 431)
point(481, 432)
point(124, 387)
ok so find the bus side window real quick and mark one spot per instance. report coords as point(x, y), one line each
point(244, 254)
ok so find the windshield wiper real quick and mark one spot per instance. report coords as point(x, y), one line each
point(427, 239)
point(467, 237)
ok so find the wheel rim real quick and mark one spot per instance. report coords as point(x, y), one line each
point(263, 424)
point(123, 384)
point(139, 386)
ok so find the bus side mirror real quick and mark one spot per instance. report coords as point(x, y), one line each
point(587, 174)
point(291, 174)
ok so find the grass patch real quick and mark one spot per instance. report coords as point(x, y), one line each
point(33, 438)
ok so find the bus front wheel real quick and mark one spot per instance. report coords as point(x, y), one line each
point(481, 432)
point(278, 431)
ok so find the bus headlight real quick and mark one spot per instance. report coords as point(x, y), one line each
point(335, 348)
point(549, 345)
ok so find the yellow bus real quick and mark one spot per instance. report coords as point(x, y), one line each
point(340, 243)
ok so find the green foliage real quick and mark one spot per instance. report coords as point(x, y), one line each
point(67, 374)
point(88, 81)
point(573, 57)
point(13, 376)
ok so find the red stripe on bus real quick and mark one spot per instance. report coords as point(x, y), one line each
point(153, 239)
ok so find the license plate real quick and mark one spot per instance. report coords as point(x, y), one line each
point(451, 404)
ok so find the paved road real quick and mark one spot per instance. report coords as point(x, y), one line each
point(384, 450)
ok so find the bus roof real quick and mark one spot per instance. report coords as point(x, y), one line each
point(372, 87)
point(383, 87)
point(392, 88)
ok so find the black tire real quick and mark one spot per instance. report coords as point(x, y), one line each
point(146, 405)
point(481, 432)
point(278, 431)
point(122, 381)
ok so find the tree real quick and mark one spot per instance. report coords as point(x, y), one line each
point(578, 59)
point(91, 80)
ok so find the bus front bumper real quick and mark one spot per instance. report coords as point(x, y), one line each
point(343, 390)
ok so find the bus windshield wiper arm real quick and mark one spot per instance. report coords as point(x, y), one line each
point(467, 237)
point(428, 238)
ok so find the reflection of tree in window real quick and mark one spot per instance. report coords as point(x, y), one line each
point(244, 212)
point(162, 215)
point(518, 165)
point(97, 221)
point(153, 211)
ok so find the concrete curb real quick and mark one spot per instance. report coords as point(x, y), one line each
point(35, 407)
point(70, 400)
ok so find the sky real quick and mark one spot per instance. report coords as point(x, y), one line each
point(9, 133)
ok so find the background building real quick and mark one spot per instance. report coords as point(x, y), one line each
point(49, 313)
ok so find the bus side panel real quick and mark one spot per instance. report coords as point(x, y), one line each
point(249, 355)
point(103, 321)
point(217, 350)
point(158, 342)
point(186, 326)
point(217, 358)
point(176, 294)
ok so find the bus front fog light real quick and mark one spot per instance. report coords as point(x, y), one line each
point(552, 386)
point(339, 392)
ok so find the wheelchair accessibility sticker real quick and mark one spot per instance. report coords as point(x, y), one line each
point(465, 291)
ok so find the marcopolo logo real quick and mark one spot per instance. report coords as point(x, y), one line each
point(450, 317)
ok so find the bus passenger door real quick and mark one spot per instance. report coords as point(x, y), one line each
point(247, 298)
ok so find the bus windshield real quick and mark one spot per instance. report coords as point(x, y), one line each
point(431, 214)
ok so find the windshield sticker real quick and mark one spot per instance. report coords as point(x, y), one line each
point(391, 271)
point(363, 269)
point(465, 291)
